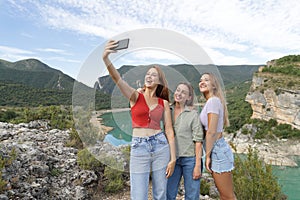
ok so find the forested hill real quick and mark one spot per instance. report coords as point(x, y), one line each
point(230, 74)
point(33, 83)
point(34, 73)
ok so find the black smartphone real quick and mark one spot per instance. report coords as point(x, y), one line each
point(122, 44)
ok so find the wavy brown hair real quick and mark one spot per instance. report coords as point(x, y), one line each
point(162, 90)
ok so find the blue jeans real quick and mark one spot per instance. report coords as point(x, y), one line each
point(184, 167)
point(149, 154)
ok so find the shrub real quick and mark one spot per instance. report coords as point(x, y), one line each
point(4, 162)
point(245, 131)
point(290, 84)
point(204, 187)
point(87, 161)
point(254, 180)
point(6, 116)
point(114, 180)
point(270, 129)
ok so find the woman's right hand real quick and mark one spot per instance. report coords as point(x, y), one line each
point(208, 164)
point(108, 48)
point(170, 168)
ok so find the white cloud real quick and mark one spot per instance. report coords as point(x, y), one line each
point(62, 59)
point(13, 50)
point(27, 35)
point(232, 26)
point(219, 58)
point(56, 51)
point(14, 54)
point(268, 54)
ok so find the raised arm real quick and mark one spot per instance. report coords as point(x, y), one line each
point(129, 92)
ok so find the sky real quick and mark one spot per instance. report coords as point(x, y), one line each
point(63, 33)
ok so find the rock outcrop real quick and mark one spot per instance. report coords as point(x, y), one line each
point(271, 98)
point(278, 152)
point(44, 167)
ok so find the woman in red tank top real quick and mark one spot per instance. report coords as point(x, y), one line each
point(152, 150)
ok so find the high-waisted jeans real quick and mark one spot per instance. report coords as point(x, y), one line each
point(184, 167)
point(149, 154)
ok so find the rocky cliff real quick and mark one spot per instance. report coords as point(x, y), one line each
point(275, 96)
point(44, 167)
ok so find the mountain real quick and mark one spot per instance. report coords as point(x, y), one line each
point(33, 83)
point(34, 73)
point(230, 74)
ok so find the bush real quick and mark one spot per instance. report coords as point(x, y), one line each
point(4, 162)
point(254, 180)
point(270, 129)
point(114, 180)
point(204, 187)
point(87, 161)
point(6, 116)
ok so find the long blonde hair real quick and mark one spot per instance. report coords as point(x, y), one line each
point(218, 92)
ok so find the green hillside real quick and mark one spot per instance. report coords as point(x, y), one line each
point(231, 75)
point(280, 73)
point(14, 94)
point(32, 83)
point(32, 72)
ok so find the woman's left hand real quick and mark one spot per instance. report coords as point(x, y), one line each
point(170, 168)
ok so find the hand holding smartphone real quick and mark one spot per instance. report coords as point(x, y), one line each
point(122, 44)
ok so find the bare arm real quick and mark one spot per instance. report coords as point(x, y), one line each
point(211, 136)
point(129, 92)
point(171, 139)
point(198, 154)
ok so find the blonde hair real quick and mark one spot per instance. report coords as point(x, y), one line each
point(218, 92)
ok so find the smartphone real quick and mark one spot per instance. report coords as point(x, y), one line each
point(122, 44)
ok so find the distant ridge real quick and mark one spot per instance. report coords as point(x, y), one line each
point(231, 74)
point(31, 82)
point(34, 73)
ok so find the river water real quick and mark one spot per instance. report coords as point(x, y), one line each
point(288, 177)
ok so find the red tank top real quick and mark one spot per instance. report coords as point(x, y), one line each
point(143, 117)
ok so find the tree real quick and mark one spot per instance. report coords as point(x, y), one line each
point(254, 180)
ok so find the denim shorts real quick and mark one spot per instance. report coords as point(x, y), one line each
point(222, 159)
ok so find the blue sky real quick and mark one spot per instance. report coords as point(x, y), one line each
point(63, 33)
